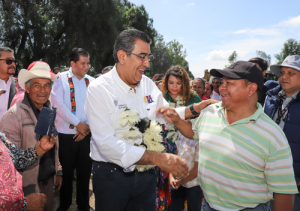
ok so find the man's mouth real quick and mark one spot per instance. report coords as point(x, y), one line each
point(224, 95)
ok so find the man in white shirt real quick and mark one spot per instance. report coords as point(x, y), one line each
point(116, 182)
point(69, 95)
point(216, 93)
point(7, 83)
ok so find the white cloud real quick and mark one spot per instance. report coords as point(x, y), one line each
point(190, 4)
point(293, 21)
point(180, 38)
point(222, 55)
point(259, 31)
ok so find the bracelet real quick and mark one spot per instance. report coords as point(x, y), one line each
point(193, 111)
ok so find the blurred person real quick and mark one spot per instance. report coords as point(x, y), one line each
point(283, 106)
point(208, 90)
point(18, 125)
point(69, 95)
point(8, 90)
point(242, 149)
point(263, 65)
point(198, 86)
point(13, 159)
point(56, 70)
point(158, 84)
point(107, 69)
point(216, 93)
point(176, 91)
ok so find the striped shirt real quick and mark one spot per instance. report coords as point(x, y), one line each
point(241, 164)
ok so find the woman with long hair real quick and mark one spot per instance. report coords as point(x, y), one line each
point(208, 90)
point(176, 90)
point(198, 86)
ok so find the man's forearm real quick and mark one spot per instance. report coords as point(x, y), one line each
point(148, 158)
point(185, 128)
point(283, 202)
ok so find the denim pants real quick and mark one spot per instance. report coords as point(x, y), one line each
point(116, 190)
point(260, 207)
point(193, 196)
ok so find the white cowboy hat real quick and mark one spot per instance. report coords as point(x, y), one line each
point(36, 69)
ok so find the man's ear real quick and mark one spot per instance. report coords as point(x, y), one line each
point(121, 56)
point(252, 89)
point(72, 63)
point(26, 89)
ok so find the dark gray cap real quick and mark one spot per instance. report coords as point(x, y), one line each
point(290, 61)
point(242, 70)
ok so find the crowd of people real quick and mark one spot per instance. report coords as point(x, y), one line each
point(172, 144)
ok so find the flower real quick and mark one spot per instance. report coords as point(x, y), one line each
point(132, 134)
point(130, 117)
point(172, 105)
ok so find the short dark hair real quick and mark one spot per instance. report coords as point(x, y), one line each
point(6, 49)
point(263, 64)
point(215, 78)
point(76, 53)
point(126, 39)
point(200, 79)
point(107, 68)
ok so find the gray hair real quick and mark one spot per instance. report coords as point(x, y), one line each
point(126, 39)
point(213, 80)
point(6, 49)
point(200, 79)
point(107, 68)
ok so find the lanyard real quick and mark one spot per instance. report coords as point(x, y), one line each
point(281, 112)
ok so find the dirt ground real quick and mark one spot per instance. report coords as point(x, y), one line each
point(74, 205)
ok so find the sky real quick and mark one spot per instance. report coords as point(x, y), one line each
point(211, 30)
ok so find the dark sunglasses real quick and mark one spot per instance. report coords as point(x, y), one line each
point(10, 61)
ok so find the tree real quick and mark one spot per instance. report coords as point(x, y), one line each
point(290, 47)
point(264, 56)
point(231, 59)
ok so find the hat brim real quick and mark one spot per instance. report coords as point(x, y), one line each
point(220, 73)
point(277, 68)
point(25, 75)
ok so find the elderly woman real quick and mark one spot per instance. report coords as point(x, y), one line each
point(198, 86)
point(208, 90)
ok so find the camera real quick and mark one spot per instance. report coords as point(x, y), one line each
point(143, 125)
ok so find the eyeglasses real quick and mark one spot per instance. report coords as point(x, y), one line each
point(10, 61)
point(150, 57)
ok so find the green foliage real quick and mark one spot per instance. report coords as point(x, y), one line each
point(290, 47)
point(264, 56)
point(168, 54)
point(231, 59)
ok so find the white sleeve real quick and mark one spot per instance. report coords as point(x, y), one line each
point(97, 113)
point(57, 99)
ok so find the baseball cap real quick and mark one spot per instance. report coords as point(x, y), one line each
point(290, 61)
point(242, 70)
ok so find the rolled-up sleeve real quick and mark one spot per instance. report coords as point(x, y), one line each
point(104, 142)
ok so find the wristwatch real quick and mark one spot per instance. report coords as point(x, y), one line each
point(193, 111)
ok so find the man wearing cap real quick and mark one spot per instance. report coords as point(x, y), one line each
point(244, 156)
point(283, 106)
point(7, 82)
point(69, 94)
point(18, 124)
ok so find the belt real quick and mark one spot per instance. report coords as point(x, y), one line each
point(110, 165)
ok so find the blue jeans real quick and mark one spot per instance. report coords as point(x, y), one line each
point(192, 195)
point(260, 207)
point(116, 190)
point(297, 198)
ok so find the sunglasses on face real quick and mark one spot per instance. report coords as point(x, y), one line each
point(10, 61)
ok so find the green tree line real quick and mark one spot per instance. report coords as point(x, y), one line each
point(48, 30)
